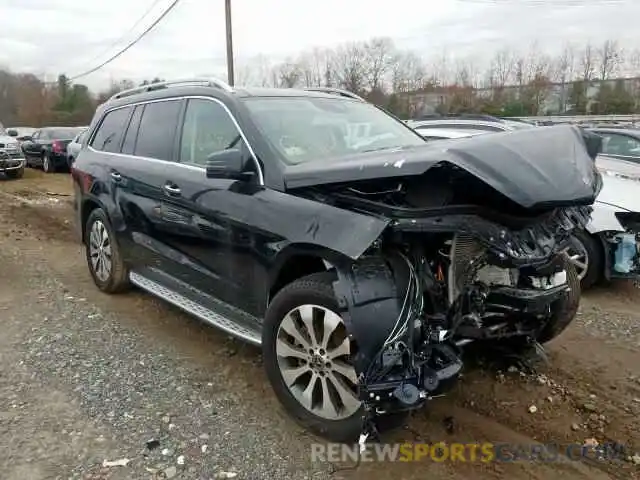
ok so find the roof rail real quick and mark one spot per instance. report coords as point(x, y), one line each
point(336, 91)
point(206, 82)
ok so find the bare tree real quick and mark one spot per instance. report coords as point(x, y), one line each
point(466, 74)
point(407, 72)
point(538, 64)
point(633, 62)
point(350, 66)
point(440, 72)
point(314, 67)
point(289, 74)
point(564, 65)
point(563, 72)
point(379, 55)
point(502, 68)
point(610, 59)
point(587, 63)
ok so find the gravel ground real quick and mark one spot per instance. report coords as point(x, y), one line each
point(130, 390)
point(87, 377)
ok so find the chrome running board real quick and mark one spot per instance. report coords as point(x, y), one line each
point(196, 309)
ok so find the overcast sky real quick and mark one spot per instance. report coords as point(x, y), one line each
point(48, 37)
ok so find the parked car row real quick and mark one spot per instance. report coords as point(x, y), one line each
point(49, 148)
point(607, 247)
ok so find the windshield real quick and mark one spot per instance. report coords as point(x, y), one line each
point(303, 129)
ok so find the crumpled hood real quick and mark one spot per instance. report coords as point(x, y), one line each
point(533, 167)
point(620, 192)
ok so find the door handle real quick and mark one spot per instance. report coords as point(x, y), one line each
point(172, 190)
point(116, 177)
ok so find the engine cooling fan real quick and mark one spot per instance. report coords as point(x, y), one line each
point(464, 250)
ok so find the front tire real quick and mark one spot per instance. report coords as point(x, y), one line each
point(306, 351)
point(104, 259)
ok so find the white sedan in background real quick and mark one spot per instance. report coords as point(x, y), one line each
point(609, 247)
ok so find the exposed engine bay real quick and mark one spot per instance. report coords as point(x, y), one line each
point(446, 273)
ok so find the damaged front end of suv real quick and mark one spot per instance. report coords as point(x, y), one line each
point(466, 245)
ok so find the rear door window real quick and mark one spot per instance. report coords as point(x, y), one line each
point(157, 131)
point(109, 135)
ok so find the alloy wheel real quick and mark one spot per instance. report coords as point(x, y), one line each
point(313, 352)
point(45, 163)
point(579, 257)
point(100, 251)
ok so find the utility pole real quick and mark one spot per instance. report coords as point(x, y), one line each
point(227, 14)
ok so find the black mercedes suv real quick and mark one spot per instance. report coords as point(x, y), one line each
point(313, 223)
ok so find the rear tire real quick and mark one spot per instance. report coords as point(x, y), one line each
point(315, 293)
point(108, 270)
point(47, 164)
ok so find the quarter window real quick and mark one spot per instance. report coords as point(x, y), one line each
point(158, 129)
point(207, 129)
point(109, 134)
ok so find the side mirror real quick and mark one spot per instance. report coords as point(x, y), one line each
point(12, 133)
point(226, 164)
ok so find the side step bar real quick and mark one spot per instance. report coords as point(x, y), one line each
point(195, 309)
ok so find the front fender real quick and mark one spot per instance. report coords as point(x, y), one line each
point(603, 219)
point(297, 220)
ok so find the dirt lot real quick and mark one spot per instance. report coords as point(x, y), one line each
point(86, 377)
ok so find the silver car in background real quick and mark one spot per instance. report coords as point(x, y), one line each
point(73, 149)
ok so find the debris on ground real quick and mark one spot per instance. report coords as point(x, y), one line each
point(123, 462)
point(170, 472)
point(226, 475)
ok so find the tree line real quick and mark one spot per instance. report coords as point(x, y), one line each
point(26, 100)
point(578, 79)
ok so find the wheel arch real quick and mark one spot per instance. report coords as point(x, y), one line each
point(87, 206)
point(299, 260)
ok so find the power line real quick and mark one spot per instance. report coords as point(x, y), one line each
point(130, 44)
point(126, 34)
